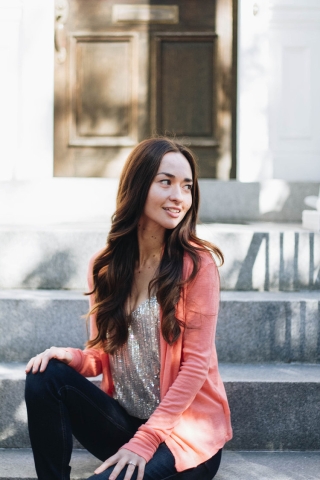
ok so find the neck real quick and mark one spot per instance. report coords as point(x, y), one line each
point(150, 241)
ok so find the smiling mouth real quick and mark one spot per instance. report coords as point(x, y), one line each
point(173, 210)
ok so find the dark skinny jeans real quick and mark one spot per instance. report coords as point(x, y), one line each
point(61, 402)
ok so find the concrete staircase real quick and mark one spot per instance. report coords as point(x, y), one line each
point(268, 338)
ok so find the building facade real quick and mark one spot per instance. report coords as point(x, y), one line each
point(278, 99)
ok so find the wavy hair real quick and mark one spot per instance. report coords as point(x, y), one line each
point(113, 269)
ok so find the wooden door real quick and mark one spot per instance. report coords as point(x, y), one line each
point(126, 70)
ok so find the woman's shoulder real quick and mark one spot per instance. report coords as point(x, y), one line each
point(90, 267)
point(205, 258)
point(95, 256)
point(204, 255)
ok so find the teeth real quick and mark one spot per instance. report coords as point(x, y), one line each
point(173, 210)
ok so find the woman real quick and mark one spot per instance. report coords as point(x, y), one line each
point(162, 410)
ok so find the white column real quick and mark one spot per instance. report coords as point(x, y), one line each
point(278, 90)
point(10, 29)
point(253, 155)
point(26, 89)
point(37, 91)
point(294, 89)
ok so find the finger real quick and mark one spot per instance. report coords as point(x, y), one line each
point(130, 469)
point(50, 353)
point(141, 468)
point(46, 357)
point(117, 469)
point(101, 469)
point(36, 363)
point(110, 461)
point(29, 365)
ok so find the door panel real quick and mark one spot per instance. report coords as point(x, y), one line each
point(132, 69)
point(103, 91)
point(185, 86)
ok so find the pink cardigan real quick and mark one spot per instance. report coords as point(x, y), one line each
point(193, 417)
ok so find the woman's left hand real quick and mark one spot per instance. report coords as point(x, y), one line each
point(122, 458)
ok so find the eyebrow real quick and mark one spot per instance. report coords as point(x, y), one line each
point(173, 176)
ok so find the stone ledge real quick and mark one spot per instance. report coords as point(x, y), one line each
point(87, 199)
point(252, 326)
point(269, 466)
point(18, 464)
point(273, 407)
point(258, 257)
point(270, 373)
point(230, 372)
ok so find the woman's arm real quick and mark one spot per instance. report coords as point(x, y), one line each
point(202, 301)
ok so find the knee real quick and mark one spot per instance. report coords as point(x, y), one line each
point(37, 384)
point(106, 473)
point(34, 387)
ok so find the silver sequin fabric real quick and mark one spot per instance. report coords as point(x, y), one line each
point(135, 367)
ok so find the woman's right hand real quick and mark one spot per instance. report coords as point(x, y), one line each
point(40, 361)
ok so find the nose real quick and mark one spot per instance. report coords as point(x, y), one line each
point(176, 194)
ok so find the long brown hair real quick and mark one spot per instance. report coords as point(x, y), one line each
point(113, 269)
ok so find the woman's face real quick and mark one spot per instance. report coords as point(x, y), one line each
point(170, 196)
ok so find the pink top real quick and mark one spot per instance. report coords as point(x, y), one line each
point(193, 417)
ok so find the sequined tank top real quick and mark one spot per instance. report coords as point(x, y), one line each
point(135, 367)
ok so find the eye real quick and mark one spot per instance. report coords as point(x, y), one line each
point(188, 186)
point(165, 182)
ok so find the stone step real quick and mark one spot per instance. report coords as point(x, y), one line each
point(87, 199)
point(266, 257)
point(269, 466)
point(18, 464)
point(252, 326)
point(273, 406)
point(258, 257)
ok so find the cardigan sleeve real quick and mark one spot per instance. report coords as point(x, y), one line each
point(88, 362)
point(201, 309)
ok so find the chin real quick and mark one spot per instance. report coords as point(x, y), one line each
point(170, 224)
point(173, 225)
